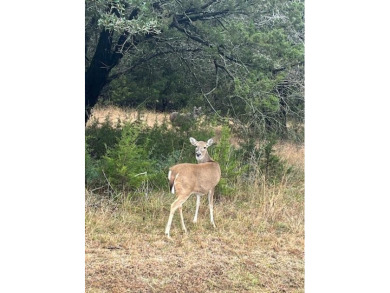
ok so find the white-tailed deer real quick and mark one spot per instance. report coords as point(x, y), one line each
point(176, 116)
point(186, 179)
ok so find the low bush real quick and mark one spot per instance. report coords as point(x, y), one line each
point(231, 167)
point(93, 175)
point(127, 165)
point(101, 137)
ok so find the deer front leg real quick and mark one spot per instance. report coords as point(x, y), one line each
point(210, 195)
point(197, 208)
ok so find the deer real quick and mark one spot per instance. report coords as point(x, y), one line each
point(175, 116)
point(187, 179)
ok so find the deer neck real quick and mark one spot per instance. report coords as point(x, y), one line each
point(205, 159)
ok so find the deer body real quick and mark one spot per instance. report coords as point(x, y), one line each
point(197, 178)
point(187, 179)
point(173, 117)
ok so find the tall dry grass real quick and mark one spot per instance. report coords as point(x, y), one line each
point(117, 115)
point(258, 245)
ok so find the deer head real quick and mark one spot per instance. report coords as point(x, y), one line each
point(201, 153)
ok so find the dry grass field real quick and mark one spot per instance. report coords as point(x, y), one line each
point(115, 114)
point(258, 245)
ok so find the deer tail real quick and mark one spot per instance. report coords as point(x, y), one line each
point(172, 178)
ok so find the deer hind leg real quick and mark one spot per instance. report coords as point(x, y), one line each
point(182, 219)
point(177, 204)
point(197, 208)
point(210, 195)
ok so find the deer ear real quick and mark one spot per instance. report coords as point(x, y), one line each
point(193, 141)
point(210, 142)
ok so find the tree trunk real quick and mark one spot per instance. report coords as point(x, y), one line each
point(283, 117)
point(104, 59)
point(96, 76)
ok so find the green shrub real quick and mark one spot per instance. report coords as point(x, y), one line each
point(127, 165)
point(159, 141)
point(271, 165)
point(93, 174)
point(163, 144)
point(261, 161)
point(101, 137)
point(184, 123)
point(167, 147)
point(230, 164)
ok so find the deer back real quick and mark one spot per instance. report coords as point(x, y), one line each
point(199, 178)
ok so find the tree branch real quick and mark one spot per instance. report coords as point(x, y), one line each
point(223, 68)
point(195, 38)
point(146, 59)
point(188, 17)
point(207, 44)
point(200, 86)
point(276, 70)
point(229, 57)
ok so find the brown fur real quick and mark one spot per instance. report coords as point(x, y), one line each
point(195, 178)
point(186, 179)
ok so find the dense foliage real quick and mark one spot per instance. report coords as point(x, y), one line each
point(137, 162)
point(240, 59)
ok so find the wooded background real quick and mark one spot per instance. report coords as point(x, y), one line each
point(238, 59)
